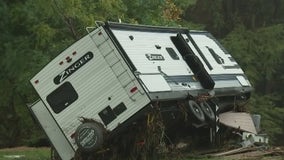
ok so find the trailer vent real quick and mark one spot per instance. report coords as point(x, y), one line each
point(36, 81)
point(158, 46)
point(131, 37)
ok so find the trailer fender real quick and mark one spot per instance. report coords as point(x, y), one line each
point(89, 136)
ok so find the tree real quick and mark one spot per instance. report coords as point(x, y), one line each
point(209, 13)
point(260, 54)
point(222, 16)
point(33, 33)
point(144, 11)
point(272, 120)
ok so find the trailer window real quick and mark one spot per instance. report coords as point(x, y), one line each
point(62, 97)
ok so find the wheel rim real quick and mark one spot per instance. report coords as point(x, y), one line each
point(208, 112)
point(89, 136)
point(196, 111)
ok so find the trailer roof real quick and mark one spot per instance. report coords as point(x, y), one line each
point(146, 28)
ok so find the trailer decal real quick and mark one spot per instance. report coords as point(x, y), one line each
point(73, 68)
point(155, 57)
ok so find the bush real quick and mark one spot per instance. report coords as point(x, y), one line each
point(272, 119)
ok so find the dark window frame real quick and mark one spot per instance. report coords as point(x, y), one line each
point(62, 97)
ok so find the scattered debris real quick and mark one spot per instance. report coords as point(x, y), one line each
point(250, 139)
point(255, 152)
point(234, 151)
point(238, 120)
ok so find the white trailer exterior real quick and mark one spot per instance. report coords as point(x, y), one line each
point(52, 130)
point(117, 70)
point(89, 79)
point(168, 76)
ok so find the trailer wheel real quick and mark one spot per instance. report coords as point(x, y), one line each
point(89, 136)
point(196, 111)
point(207, 110)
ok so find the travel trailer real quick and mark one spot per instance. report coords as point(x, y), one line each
point(117, 71)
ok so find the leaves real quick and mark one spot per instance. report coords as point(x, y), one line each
point(171, 11)
point(272, 120)
point(44, 34)
point(260, 55)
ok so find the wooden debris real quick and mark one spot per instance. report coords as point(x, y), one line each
point(234, 151)
point(249, 153)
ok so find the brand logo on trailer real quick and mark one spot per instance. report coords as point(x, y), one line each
point(73, 68)
point(155, 57)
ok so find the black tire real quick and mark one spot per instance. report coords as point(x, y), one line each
point(54, 155)
point(196, 111)
point(207, 110)
point(89, 136)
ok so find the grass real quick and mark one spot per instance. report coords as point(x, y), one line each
point(25, 154)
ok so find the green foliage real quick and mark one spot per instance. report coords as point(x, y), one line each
point(222, 16)
point(272, 120)
point(238, 43)
point(260, 53)
point(209, 13)
point(144, 11)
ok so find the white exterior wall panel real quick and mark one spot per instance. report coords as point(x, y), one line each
point(203, 41)
point(94, 82)
point(52, 130)
point(144, 43)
